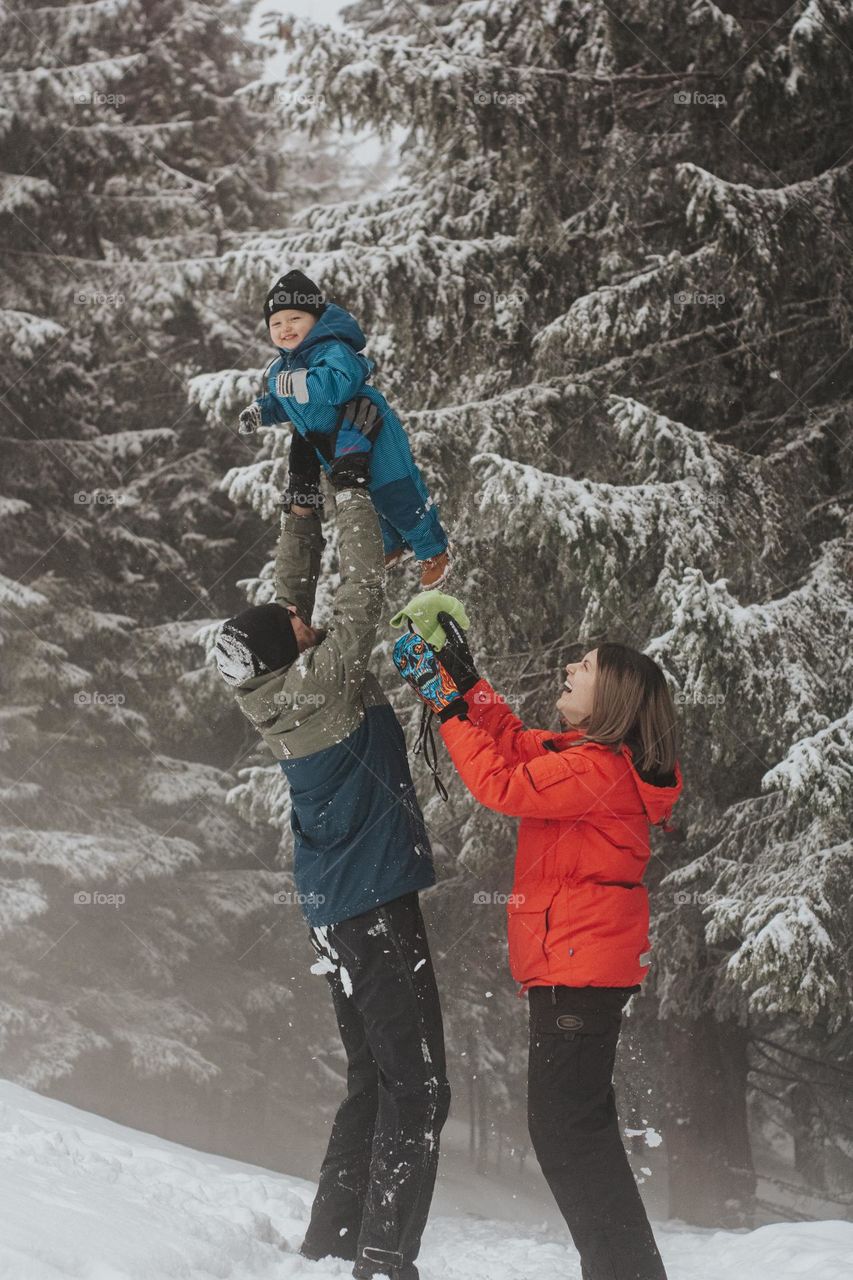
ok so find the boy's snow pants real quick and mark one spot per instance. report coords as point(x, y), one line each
point(377, 1178)
point(575, 1129)
point(407, 514)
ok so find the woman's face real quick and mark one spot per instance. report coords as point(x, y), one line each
point(575, 702)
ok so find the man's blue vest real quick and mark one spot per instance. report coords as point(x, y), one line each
point(358, 832)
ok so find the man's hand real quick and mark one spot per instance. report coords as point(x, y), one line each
point(359, 425)
point(352, 471)
point(365, 415)
point(419, 666)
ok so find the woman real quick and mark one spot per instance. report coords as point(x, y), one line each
point(578, 916)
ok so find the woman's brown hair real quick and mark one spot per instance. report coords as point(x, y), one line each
point(632, 704)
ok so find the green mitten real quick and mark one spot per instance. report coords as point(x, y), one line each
point(423, 610)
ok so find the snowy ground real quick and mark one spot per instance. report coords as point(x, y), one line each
point(84, 1197)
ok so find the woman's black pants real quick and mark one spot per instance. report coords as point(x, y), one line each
point(575, 1130)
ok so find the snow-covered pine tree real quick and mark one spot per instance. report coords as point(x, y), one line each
point(129, 159)
point(610, 291)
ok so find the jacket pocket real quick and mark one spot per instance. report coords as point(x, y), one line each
point(611, 914)
point(527, 932)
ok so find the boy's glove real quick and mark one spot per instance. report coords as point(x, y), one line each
point(250, 420)
point(292, 382)
point(303, 479)
point(456, 655)
point(352, 471)
point(418, 665)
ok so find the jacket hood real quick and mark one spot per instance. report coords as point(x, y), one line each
point(335, 323)
point(658, 801)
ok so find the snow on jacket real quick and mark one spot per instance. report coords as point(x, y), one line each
point(358, 834)
point(579, 913)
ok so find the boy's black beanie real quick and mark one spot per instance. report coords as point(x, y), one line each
point(257, 640)
point(294, 292)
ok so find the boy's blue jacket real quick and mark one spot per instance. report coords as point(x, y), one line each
point(328, 370)
point(334, 372)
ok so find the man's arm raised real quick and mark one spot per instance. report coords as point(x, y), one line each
point(339, 664)
point(297, 562)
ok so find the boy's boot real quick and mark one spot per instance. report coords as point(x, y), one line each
point(435, 570)
point(394, 559)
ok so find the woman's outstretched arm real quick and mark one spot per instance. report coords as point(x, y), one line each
point(546, 784)
point(490, 711)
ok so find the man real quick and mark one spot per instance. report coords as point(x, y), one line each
point(361, 854)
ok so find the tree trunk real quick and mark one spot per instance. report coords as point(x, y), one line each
point(711, 1177)
point(808, 1135)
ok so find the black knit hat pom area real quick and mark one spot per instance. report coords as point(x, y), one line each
point(294, 292)
point(255, 641)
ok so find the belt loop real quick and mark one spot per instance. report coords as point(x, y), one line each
point(553, 995)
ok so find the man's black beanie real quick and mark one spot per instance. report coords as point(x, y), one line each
point(294, 292)
point(257, 640)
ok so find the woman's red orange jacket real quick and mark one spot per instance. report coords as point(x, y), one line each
point(578, 915)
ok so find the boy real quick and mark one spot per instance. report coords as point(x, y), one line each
point(319, 369)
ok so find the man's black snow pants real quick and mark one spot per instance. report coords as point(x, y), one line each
point(575, 1130)
point(377, 1178)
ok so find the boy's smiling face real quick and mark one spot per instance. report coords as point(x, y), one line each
point(288, 328)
